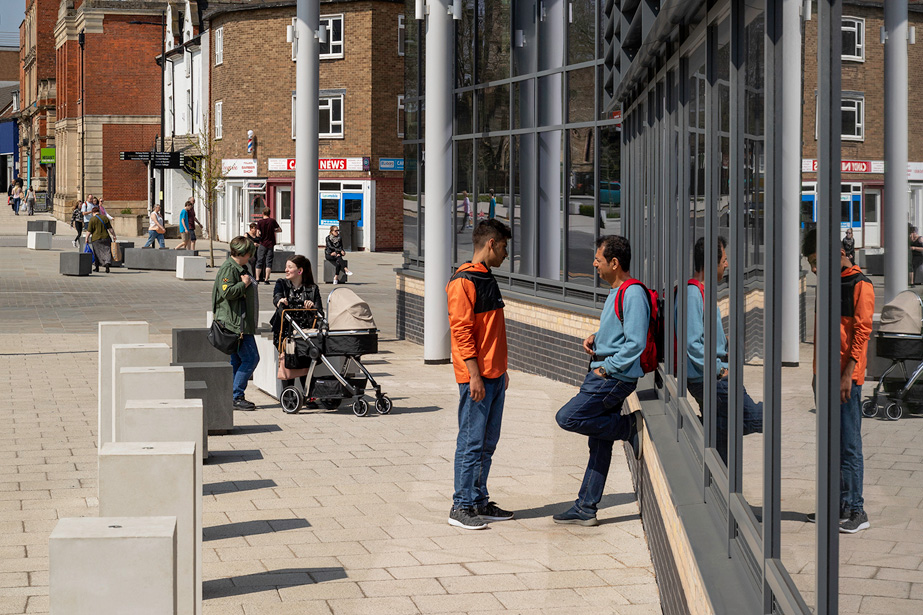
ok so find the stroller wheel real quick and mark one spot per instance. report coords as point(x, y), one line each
point(330, 404)
point(869, 408)
point(383, 404)
point(291, 400)
point(894, 412)
point(360, 407)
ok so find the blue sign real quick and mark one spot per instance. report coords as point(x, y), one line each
point(390, 164)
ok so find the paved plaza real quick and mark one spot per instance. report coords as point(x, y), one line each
point(321, 512)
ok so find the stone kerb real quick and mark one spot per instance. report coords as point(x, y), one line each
point(98, 565)
point(153, 479)
point(38, 240)
point(190, 268)
point(109, 334)
point(145, 384)
point(127, 355)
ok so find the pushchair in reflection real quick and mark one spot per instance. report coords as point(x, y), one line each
point(900, 339)
point(345, 335)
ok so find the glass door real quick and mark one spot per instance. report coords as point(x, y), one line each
point(871, 231)
point(282, 211)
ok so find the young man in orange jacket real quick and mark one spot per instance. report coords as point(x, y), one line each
point(480, 359)
point(857, 307)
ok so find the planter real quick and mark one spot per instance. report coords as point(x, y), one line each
point(131, 225)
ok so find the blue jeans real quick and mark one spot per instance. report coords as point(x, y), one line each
point(478, 434)
point(851, 462)
point(151, 236)
point(753, 413)
point(244, 362)
point(16, 203)
point(596, 412)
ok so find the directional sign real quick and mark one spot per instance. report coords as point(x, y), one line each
point(142, 156)
point(168, 160)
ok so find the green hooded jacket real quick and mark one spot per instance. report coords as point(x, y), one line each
point(228, 293)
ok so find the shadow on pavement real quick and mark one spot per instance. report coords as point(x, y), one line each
point(254, 429)
point(253, 583)
point(252, 528)
point(232, 486)
point(219, 457)
point(608, 501)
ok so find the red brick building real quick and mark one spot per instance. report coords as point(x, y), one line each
point(37, 94)
point(863, 121)
point(252, 87)
point(108, 99)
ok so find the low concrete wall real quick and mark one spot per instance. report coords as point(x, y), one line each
point(129, 226)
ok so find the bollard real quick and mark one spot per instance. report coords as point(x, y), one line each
point(190, 268)
point(159, 478)
point(38, 240)
point(111, 333)
point(164, 420)
point(145, 383)
point(127, 355)
point(100, 565)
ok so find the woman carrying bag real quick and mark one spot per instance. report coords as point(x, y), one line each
point(234, 307)
point(100, 237)
point(296, 291)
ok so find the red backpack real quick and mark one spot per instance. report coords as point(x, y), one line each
point(653, 350)
point(701, 287)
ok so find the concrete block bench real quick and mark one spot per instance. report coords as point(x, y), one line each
point(217, 398)
point(75, 263)
point(159, 479)
point(279, 257)
point(47, 226)
point(38, 240)
point(165, 420)
point(156, 260)
point(190, 268)
point(191, 346)
point(95, 568)
point(330, 270)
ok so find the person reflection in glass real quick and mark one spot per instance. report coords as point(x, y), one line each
point(695, 349)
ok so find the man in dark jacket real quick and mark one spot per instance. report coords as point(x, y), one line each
point(234, 306)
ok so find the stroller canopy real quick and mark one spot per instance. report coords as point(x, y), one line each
point(904, 314)
point(346, 311)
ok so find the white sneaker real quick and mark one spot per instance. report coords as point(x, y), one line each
point(349, 273)
point(74, 242)
point(336, 281)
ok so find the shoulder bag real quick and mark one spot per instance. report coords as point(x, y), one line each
point(223, 338)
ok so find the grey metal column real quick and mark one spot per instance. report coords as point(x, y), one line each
point(790, 257)
point(896, 200)
point(827, 338)
point(307, 86)
point(524, 59)
point(550, 113)
point(438, 200)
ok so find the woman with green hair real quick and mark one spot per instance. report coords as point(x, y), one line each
point(234, 306)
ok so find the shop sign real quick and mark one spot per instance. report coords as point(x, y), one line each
point(848, 166)
point(390, 164)
point(281, 164)
point(240, 167)
point(47, 155)
point(339, 164)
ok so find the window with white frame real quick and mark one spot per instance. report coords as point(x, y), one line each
point(293, 115)
point(853, 39)
point(853, 110)
point(401, 33)
point(219, 46)
point(330, 116)
point(400, 116)
point(218, 120)
point(294, 39)
point(333, 48)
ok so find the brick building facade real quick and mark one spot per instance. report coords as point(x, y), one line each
point(252, 87)
point(108, 100)
point(37, 93)
point(863, 121)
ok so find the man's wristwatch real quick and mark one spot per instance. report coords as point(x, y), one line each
point(601, 371)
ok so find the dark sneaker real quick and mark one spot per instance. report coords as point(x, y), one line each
point(574, 517)
point(492, 512)
point(844, 515)
point(466, 518)
point(243, 404)
point(857, 522)
point(635, 437)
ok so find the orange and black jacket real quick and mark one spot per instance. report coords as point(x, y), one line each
point(857, 305)
point(476, 322)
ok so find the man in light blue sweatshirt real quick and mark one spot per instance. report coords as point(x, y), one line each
point(615, 366)
point(695, 349)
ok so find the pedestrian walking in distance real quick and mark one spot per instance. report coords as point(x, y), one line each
point(479, 356)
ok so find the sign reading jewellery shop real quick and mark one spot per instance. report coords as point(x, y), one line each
point(238, 167)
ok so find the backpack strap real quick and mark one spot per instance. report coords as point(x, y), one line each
point(620, 297)
point(697, 283)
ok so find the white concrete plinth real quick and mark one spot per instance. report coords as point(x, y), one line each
point(153, 479)
point(265, 376)
point(145, 384)
point(127, 355)
point(113, 565)
point(190, 267)
point(164, 420)
point(111, 333)
point(38, 240)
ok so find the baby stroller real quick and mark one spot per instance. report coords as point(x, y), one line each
point(900, 338)
point(345, 335)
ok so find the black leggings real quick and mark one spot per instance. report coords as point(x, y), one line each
point(337, 262)
point(79, 226)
